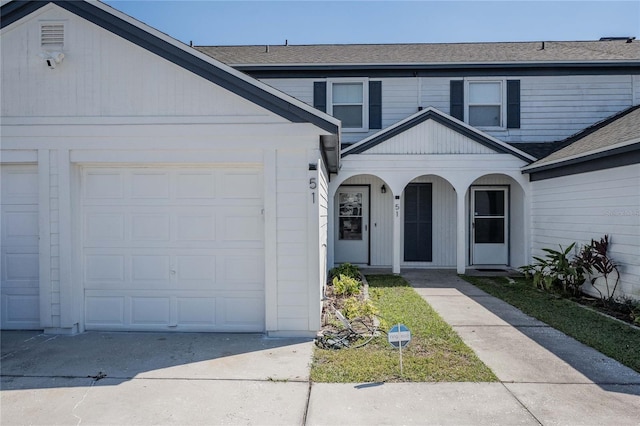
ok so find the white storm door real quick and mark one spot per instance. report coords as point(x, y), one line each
point(489, 226)
point(352, 225)
point(19, 248)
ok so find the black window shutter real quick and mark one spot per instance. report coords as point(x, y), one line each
point(320, 95)
point(375, 105)
point(456, 99)
point(513, 104)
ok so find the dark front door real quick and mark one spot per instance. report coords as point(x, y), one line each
point(418, 222)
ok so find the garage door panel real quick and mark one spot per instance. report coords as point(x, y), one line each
point(103, 185)
point(20, 225)
point(155, 268)
point(196, 270)
point(147, 310)
point(181, 250)
point(150, 184)
point(20, 268)
point(104, 311)
point(166, 310)
point(100, 268)
point(236, 184)
point(19, 185)
point(196, 227)
point(246, 271)
point(19, 248)
point(99, 227)
point(20, 311)
point(243, 311)
point(196, 185)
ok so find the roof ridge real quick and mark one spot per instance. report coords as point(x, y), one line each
point(410, 43)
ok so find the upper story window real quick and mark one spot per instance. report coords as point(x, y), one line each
point(492, 104)
point(347, 104)
point(485, 103)
point(357, 103)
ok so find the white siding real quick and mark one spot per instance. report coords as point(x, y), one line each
point(443, 225)
point(586, 206)
point(323, 205)
point(113, 103)
point(104, 75)
point(292, 191)
point(517, 216)
point(430, 138)
point(552, 107)
point(299, 88)
point(381, 219)
point(54, 211)
point(400, 99)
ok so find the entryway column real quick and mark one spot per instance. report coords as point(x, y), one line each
point(396, 234)
point(461, 246)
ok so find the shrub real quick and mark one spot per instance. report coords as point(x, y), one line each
point(345, 286)
point(593, 260)
point(354, 308)
point(555, 272)
point(346, 269)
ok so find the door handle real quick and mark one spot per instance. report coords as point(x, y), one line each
point(366, 228)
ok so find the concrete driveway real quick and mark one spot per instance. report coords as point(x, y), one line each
point(236, 379)
point(153, 378)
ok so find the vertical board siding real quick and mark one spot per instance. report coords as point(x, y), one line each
point(444, 223)
point(292, 191)
point(430, 137)
point(517, 219)
point(586, 206)
point(381, 218)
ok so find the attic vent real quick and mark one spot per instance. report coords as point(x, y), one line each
point(52, 35)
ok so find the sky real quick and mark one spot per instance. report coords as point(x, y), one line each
point(238, 22)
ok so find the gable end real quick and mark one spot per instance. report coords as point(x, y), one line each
point(431, 114)
point(14, 11)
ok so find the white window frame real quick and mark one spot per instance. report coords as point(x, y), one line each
point(503, 101)
point(365, 101)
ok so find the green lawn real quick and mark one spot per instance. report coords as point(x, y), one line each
point(435, 353)
point(614, 339)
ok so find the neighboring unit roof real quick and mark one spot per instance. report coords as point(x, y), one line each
point(618, 135)
point(427, 53)
point(182, 55)
point(444, 119)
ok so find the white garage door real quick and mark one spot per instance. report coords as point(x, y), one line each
point(173, 249)
point(19, 270)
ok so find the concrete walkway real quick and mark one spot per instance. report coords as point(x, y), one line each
point(197, 379)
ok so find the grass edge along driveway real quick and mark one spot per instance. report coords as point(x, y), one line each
point(435, 354)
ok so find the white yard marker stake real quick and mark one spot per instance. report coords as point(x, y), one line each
point(399, 336)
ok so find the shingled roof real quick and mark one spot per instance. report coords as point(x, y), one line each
point(621, 128)
point(612, 142)
point(431, 53)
